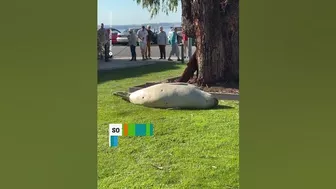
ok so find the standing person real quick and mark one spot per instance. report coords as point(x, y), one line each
point(102, 40)
point(142, 36)
point(171, 31)
point(98, 48)
point(110, 43)
point(185, 42)
point(174, 45)
point(107, 45)
point(133, 43)
point(162, 42)
point(149, 40)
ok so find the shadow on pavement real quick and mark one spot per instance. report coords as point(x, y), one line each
point(133, 72)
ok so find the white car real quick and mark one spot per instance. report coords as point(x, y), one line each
point(123, 36)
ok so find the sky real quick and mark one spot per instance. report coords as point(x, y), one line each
point(127, 12)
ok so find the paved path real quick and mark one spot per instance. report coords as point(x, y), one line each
point(122, 55)
point(124, 51)
point(119, 63)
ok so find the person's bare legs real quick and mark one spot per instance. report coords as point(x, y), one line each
point(172, 51)
point(143, 53)
point(177, 52)
point(185, 45)
point(143, 50)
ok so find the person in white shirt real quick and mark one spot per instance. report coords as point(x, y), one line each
point(142, 36)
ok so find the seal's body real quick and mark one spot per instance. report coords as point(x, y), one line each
point(173, 95)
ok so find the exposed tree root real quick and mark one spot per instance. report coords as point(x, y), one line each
point(188, 73)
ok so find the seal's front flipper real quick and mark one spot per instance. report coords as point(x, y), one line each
point(123, 95)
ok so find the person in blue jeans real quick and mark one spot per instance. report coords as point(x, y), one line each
point(132, 43)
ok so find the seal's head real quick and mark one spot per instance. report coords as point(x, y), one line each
point(212, 102)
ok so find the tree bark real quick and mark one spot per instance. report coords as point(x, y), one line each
point(214, 24)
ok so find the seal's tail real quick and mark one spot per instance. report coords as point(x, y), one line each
point(123, 95)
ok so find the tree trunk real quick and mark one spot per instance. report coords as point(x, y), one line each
point(214, 24)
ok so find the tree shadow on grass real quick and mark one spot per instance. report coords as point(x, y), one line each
point(133, 72)
point(219, 107)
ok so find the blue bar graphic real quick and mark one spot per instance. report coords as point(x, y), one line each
point(151, 131)
point(140, 129)
point(113, 141)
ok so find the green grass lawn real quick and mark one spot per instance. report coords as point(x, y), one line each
point(189, 149)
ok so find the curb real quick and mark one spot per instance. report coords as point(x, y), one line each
point(121, 66)
point(113, 64)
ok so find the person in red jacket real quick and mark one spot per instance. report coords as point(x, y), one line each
point(185, 42)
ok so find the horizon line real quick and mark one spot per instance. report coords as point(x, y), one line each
point(143, 23)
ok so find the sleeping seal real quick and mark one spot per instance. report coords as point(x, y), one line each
point(171, 95)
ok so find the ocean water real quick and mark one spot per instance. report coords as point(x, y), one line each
point(164, 29)
point(155, 27)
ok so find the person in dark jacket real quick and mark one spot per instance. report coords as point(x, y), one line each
point(162, 41)
point(149, 40)
point(132, 43)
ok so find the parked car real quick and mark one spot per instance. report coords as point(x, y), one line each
point(114, 35)
point(179, 33)
point(123, 36)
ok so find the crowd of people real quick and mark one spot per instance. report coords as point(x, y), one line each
point(144, 37)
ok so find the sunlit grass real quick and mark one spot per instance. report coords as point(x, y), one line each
point(189, 149)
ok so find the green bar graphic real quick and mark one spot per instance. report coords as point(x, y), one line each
point(148, 125)
point(131, 129)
